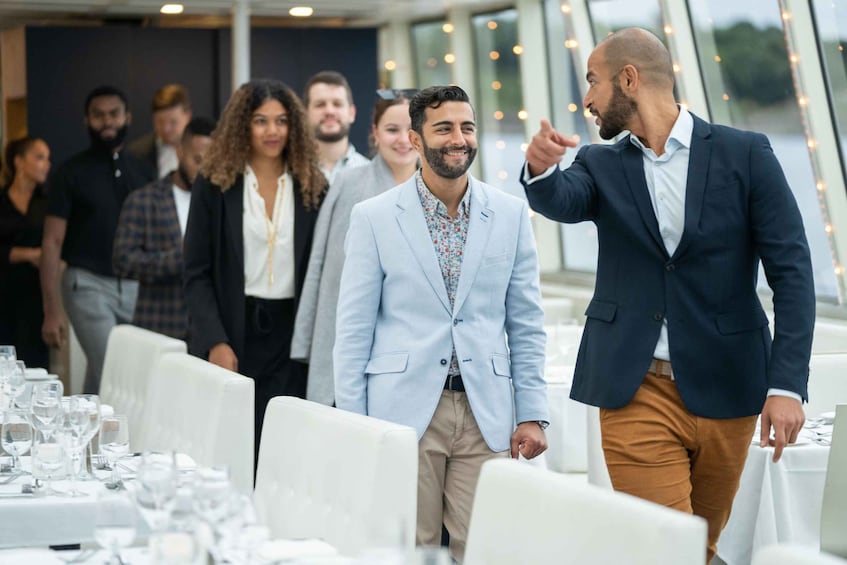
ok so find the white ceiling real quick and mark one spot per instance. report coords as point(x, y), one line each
point(351, 12)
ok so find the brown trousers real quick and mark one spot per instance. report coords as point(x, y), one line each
point(655, 449)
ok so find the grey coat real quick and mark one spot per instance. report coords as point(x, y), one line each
point(314, 328)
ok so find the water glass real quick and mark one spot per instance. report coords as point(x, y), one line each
point(157, 482)
point(114, 525)
point(90, 404)
point(114, 444)
point(16, 436)
point(46, 405)
point(15, 383)
point(72, 430)
point(48, 460)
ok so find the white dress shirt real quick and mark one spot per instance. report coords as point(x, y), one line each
point(182, 200)
point(167, 159)
point(262, 280)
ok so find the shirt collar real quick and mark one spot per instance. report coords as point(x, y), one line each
point(430, 202)
point(680, 135)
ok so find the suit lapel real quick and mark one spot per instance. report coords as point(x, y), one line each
point(695, 188)
point(479, 228)
point(410, 218)
point(633, 166)
point(234, 214)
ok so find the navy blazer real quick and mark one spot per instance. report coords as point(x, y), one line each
point(738, 209)
point(214, 263)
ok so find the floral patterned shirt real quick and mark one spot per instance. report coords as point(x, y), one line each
point(448, 237)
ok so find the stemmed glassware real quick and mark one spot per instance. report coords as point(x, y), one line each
point(72, 431)
point(114, 444)
point(8, 357)
point(46, 405)
point(90, 404)
point(157, 481)
point(213, 498)
point(16, 436)
point(114, 526)
point(14, 383)
point(48, 459)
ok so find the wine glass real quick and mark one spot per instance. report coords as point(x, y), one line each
point(73, 430)
point(46, 405)
point(14, 383)
point(213, 500)
point(114, 524)
point(90, 404)
point(157, 479)
point(48, 459)
point(8, 356)
point(16, 436)
point(114, 444)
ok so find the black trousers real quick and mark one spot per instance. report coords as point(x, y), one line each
point(267, 356)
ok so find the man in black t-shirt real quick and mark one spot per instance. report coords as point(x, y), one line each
point(85, 198)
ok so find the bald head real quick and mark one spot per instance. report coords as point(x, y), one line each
point(641, 49)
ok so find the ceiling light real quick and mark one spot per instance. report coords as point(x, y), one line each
point(172, 9)
point(301, 11)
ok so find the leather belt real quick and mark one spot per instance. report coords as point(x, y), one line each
point(661, 368)
point(454, 383)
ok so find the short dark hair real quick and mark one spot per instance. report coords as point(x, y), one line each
point(198, 126)
point(105, 90)
point(327, 77)
point(433, 97)
point(15, 148)
point(171, 96)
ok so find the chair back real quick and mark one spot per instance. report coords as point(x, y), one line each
point(331, 474)
point(794, 555)
point(131, 353)
point(598, 473)
point(827, 383)
point(834, 509)
point(523, 514)
point(204, 411)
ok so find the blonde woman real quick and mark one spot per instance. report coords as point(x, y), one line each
point(395, 161)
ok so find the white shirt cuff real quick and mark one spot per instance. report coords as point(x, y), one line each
point(529, 180)
point(788, 393)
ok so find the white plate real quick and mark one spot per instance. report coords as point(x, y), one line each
point(38, 375)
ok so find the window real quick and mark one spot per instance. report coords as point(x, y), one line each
point(431, 46)
point(748, 83)
point(499, 104)
point(831, 24)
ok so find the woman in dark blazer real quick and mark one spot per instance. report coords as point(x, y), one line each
point(248, 239)
point(23, 205)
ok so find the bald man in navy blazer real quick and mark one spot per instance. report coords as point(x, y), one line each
point(676, 349)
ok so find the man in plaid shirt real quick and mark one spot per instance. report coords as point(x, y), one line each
point(148, 242)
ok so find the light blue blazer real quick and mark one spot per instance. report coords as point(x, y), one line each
point(395, 328)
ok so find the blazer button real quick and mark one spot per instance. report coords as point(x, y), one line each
point(670, 267)
point(657, 316)
point(444, 361)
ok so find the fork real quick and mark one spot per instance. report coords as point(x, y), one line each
point(11, 478)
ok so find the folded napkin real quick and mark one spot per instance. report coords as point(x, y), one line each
point(279, 550)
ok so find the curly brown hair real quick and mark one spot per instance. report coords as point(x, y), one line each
point(230, 149)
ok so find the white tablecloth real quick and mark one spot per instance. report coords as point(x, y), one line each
point(776, 502)
point(566, 436)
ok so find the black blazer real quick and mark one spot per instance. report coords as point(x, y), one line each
point(214, 263)
point(738, 209)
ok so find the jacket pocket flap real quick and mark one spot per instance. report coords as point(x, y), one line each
point(501, 365)
point(387, 363)
point(738, 322)
point(601, 310)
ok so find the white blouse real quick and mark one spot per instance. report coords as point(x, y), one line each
point(268, 243)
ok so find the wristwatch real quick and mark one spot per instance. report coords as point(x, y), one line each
point(542, 424)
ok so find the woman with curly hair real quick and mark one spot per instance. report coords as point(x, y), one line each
point(249, 235)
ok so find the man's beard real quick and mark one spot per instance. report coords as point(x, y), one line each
point(107, 144)
point(621, 108)
point(438, 162)
point(342, 133)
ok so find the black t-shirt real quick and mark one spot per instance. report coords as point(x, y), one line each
point(19, 230)
point(88, 191)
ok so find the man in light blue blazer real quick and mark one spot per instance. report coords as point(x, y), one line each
point(439, 321)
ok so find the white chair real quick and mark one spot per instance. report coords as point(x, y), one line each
point(523, 514)
point(827, 382)
point(794, 555)
point(598, 473)
point(834, 509)
point(829, 337)
point(202, 410)
point(326, 473)
point(131, 353)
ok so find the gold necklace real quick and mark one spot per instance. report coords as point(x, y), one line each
point(272, 227)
